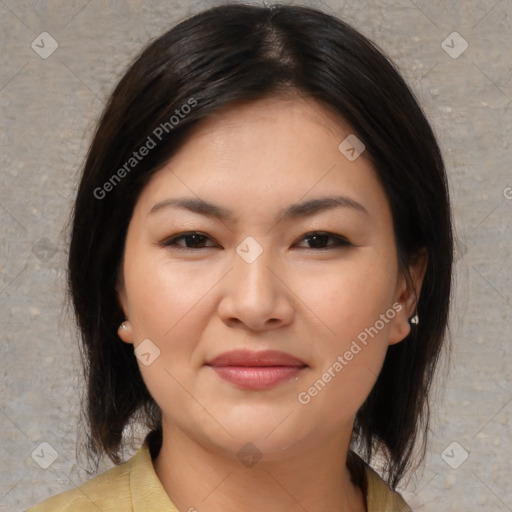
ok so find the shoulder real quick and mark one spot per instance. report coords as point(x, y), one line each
point(132, 485)
point(380, 497)
point(108, 492)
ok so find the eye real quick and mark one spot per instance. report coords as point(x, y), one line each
point(197, 240)
point(318, 239)
point(193, 240)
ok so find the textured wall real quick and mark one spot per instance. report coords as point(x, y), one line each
point(48, 109)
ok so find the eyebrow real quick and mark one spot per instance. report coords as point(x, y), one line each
point(294, 211)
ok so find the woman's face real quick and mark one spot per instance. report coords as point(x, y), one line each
point(320, 283)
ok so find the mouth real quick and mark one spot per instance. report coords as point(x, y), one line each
point(256, 370)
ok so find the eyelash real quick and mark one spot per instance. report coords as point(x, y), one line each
point(340, 241)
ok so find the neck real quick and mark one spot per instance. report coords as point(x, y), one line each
point(199, 477)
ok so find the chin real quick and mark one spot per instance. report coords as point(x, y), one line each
point(265, 441)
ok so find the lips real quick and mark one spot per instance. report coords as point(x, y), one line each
point(256, 370)
point(263, 358)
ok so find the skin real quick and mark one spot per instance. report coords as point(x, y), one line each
point(255, 159)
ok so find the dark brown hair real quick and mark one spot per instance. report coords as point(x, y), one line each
point(236, 53)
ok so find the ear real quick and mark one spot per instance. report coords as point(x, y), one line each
point(407, 295)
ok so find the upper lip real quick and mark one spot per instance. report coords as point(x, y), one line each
point(249, 358)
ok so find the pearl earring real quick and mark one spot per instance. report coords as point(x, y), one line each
point(415, 320)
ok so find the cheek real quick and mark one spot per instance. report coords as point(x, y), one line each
point(358, 311)
point(348, 298)
point(354, 303)
point(167, 309)
point(164, 295)
point(169, 305)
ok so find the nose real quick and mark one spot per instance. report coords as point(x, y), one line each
point(255, 294)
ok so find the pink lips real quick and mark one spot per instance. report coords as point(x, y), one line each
point(256, 370)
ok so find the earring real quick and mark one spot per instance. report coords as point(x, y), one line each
point(414, 320)
point(125, 332)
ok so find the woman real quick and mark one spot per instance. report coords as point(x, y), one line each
point(260, 266)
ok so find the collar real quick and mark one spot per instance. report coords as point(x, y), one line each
point(148, 494)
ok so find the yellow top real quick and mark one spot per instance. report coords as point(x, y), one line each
point(134, 486)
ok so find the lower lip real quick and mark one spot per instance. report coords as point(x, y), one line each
point(257, 377)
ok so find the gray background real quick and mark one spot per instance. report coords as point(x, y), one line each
point(48, 109)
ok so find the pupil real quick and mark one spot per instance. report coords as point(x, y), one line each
point(318, 240)
point(196, 239)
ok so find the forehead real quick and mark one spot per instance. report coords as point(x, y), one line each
point(291, 110)
point(265, 154)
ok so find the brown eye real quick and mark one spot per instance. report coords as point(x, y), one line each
point(193, 240)
point(320, 239)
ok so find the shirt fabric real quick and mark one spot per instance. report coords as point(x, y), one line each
point(134, 486)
